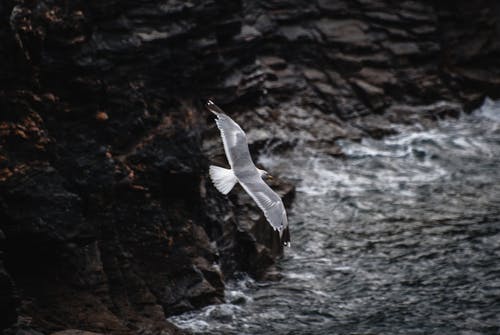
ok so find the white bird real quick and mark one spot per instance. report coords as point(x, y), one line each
point(244, 171)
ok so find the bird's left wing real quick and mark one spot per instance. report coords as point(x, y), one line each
point(269, 202)
point(234, 140)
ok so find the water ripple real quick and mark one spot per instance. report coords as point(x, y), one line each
point(401, 237)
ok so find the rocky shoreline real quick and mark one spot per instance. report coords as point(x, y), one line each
point(108, 222)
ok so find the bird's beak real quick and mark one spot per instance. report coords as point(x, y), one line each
point(269, 177)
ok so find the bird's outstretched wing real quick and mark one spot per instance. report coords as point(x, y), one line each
point(238, 156)
point(269, 202)
point(234, 140)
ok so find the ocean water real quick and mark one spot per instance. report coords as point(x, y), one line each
point(402, 236)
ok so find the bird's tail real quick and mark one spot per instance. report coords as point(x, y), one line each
point(223, 179)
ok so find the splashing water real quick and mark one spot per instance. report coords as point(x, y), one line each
point(400, 237)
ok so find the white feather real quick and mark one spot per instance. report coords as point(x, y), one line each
point(223, 179)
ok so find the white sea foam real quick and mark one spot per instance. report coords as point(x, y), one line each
point(369, 227)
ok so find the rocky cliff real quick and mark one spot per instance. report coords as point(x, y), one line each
point(107, 220)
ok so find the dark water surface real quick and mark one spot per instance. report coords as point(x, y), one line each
point(401, 237)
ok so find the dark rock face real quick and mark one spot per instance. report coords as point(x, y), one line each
point(107, 220)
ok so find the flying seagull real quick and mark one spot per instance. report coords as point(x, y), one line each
point(244, 171)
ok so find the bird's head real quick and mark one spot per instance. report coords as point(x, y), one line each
point(264, 174)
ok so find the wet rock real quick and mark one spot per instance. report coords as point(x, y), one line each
point(424, 29)
point(382, 16)
point(325, 89)
point(110, 222)
point(24, 331)
point(275, 63)
point(372, 94)
point(249, 33)
point(415, 16)
point(376, 126)
point(350, 32)
point(7, 294)
point(297, 33)
point(75, 332)
point(403, 49)
point(335, 7)
point(481, 76)
point(379, 77)
point(315, 75)
point(424, 113)
point(333, 150)
point(355, 62)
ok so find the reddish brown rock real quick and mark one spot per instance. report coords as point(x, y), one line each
point(109, 222)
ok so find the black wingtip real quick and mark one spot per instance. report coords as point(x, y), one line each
point(211, 106)
point(285, 238)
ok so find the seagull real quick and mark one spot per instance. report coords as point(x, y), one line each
point(244, 171)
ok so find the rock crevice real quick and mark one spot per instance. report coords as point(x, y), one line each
point(108, 222)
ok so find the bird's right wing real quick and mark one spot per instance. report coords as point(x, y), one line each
point(234, 140)
point(269, 202)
